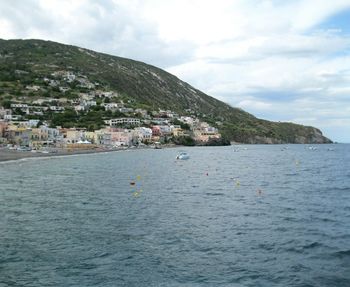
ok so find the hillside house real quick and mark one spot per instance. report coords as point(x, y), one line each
point(124, 121)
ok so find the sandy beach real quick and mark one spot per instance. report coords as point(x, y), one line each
point(7, 155)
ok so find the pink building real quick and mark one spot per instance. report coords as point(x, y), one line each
point(120, 137)
point(156, 131)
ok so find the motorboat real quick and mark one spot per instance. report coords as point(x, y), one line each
point(183, 156)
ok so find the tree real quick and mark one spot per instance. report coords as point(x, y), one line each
point(6, 104)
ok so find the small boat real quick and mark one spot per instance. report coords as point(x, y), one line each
point(182, 155)
point(157, 145)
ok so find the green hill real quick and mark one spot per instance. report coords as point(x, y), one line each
point(26, 63)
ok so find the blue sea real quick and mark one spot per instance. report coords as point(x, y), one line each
point(249, 215)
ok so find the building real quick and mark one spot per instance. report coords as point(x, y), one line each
point(3, 127)
point(111, 106)
point(121, 137)
point(18, 135)
point(56, 109)
point(142, 134)
point(204, 132)
point(156, 131)
point(4, 113)
point(124, 121)
point(73, 135)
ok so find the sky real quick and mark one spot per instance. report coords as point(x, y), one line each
point(279, 60)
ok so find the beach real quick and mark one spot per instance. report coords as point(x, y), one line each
point(7, 154)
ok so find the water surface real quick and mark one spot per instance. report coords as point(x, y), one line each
point(230, 216)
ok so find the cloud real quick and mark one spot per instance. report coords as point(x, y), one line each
point(108, 26)
point(280, 60)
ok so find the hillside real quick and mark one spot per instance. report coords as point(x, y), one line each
point(29, 69)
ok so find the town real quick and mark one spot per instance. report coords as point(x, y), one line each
point(37, 121)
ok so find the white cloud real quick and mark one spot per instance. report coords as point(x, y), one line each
point(268, 57)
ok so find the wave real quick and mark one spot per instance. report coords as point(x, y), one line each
point(214, 194)
point(342, 254)
point(313, 245)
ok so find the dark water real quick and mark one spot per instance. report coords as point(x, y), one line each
point(256, 217)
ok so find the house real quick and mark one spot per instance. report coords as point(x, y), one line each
point(156, 131)
point(188, 120)
point(88, 103)
point(23, 107)
point(42, 101)
point(141, 112)
point(104, 94)
point(53, 134)
point(39, 135)
point(121, 137)
point(18, 135)
point(73, 135)
point(95, 137)
point(165, 130)
point(86, 97)
point(30, 123)
point(160, 121)
point(142, 134)
point(4, 113)
point(111, 106)
point(203, 132)
point(92, 137)
point(33, 88)
point(69, 77)
point(177, 131)
point(19, 106)
point(3, 127)
point(12, 117)
point(166, 114)
point(56, 109)
point(126, 110)
point(64, 89)
point(124, 121)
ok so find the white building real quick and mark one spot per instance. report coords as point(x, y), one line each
point(4, 113)
point(142, 134)
point(111, 106)
point(121, 121)
point(19, 106)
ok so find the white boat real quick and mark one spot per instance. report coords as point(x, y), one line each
point(182, 155)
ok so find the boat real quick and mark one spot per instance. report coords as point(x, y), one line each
point(157, 145)
point(183, 156)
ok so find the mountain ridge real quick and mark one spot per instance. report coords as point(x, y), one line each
point(26, 62)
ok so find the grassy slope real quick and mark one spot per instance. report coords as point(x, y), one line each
point(147, 84)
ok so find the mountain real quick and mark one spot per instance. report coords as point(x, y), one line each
point(28, 62)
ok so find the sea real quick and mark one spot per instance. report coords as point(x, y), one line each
point(243, 215)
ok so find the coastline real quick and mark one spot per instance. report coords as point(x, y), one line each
point(7, 155)
point(14, 155)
